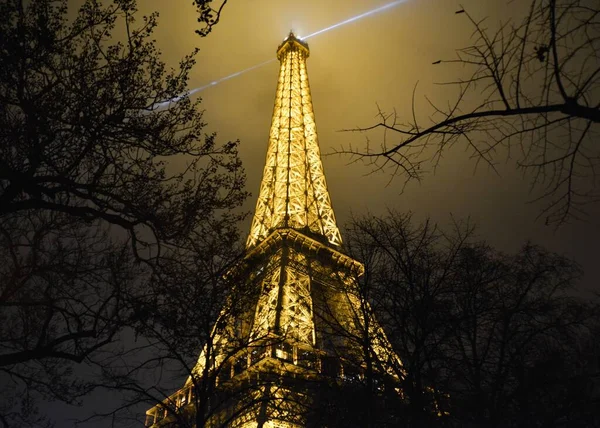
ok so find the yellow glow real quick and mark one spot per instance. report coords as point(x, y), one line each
point(293, 204)
point(293, 191)
point(294, 320)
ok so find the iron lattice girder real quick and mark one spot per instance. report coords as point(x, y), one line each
point(293, 191)
point(310, 246)
point(295, 261)
point(295, 310)
point(319, 314)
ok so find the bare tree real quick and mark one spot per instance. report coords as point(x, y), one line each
point(476, 327)
point(407, 270)
point(192, 341)
point(100, 191)
point(208, 15)
point(63, 298)
point(533, 91)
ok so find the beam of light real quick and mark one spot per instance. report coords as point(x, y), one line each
point(356, 18)
point(167, 103)
point(178, 98)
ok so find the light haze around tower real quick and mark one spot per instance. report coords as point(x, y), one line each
point(355, 18)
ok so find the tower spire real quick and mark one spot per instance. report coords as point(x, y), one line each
point(293, 192)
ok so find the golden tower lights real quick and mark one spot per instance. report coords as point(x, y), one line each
point(306, 307)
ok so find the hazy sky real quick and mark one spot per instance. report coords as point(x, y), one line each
point(352, 69)
point(374, 61)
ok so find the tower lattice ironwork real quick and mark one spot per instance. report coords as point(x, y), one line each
point(293, 193)
point(304, 323)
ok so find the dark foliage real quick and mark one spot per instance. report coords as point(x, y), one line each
point(208, 15)
point(486, 339)
point(107, 199)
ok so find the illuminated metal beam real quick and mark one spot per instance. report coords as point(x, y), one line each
point(293, 193)
point(306, 309)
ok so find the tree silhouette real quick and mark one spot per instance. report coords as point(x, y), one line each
point(208, 16)
point(104, 184)
point(490, 338)
point(531, 90)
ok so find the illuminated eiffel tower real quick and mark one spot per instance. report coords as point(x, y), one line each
point(305, 323)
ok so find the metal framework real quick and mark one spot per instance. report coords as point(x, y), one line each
point(293, 192)
point(306, 306)
point(285, 306)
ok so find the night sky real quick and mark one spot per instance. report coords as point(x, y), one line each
point(352, 69)
point(376, 60)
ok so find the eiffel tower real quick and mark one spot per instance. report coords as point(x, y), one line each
point(305, 322)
